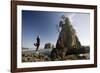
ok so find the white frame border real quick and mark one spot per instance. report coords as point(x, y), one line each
point(53, 63)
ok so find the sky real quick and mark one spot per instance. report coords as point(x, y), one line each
point(44, 23)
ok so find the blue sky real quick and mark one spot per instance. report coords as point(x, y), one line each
point(44, 23)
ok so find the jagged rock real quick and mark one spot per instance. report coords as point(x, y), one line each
point(67, 39)
point(67, 36)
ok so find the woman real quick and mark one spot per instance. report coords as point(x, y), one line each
point(37, 44)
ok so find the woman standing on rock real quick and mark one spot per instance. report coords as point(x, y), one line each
point(37, 44)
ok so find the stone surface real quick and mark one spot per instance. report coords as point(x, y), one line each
point(29, 57)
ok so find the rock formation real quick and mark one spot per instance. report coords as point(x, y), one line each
point(67, 39)
point(47, 46)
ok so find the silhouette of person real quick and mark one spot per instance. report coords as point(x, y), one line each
point(37, 44)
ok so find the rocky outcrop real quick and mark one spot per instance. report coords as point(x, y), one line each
point(47, 46)
point(67, 36)
point(67, 39)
